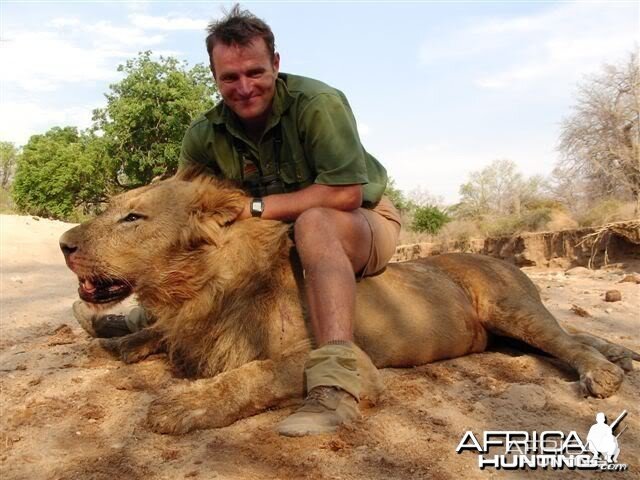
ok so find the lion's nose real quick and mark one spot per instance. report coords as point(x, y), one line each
point(67, 248)
point(67, 244)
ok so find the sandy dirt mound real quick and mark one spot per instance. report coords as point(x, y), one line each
point(69, 411)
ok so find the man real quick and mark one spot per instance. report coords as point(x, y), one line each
point(293, 143)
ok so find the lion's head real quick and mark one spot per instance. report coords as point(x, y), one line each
point(143, 233)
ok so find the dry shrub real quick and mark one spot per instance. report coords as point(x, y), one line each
point(534, 220)
point(561, 220)
point(606, 211)
point(6, 202)
point(459, 231)
point(409, 237)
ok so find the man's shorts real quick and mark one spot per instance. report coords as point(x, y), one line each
point(384, 221)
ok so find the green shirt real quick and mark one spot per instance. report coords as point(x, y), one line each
point(310, 137)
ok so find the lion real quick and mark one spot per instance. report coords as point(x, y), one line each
point(230, 309)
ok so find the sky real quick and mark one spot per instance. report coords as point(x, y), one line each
point(439, 89)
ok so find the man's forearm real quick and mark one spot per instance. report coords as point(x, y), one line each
point(288, 206)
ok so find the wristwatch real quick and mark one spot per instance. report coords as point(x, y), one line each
point(257, 207)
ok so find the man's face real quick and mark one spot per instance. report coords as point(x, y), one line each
point(246, 78)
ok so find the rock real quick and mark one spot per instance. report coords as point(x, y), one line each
point(578, 272)
point(580, 311)
point(608, 310)
point(632, 278)
point(612, 296)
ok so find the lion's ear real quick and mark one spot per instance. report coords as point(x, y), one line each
point(213, 206)
point(219, 202)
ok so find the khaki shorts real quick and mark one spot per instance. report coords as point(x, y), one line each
point(384, 221)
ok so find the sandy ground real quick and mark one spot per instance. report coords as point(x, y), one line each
point(68, 411)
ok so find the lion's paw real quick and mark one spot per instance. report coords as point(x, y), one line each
point(603, 381)
point(621, 356)
point(134, 355)
point(125, 349)
point(170, 415)
point(111, 345)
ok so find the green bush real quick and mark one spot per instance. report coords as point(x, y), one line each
point(58, 172)
point(67, 174)
point(429, 219)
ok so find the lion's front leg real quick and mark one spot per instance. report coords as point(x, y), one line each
point(136, 346)
point(228, 397)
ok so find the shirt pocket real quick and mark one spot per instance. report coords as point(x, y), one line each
point(295, 171)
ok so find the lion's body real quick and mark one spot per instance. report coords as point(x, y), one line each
point(229, 304)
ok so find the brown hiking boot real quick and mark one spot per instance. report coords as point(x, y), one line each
point(99, 325)
point(324, 409)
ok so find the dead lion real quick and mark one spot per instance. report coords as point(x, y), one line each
point(230, 309)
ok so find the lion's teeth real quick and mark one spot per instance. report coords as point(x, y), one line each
point(87, 285)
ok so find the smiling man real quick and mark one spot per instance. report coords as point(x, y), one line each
point(292, 142)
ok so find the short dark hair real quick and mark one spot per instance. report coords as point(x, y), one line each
point(239, 27)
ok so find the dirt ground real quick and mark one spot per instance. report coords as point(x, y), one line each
point(69, 411)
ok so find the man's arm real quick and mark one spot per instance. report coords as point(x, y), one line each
point(288, 206)
point(332, 145)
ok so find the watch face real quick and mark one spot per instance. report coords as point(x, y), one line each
point(257, 206)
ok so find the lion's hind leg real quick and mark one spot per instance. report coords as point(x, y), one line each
point(621, 356)
point(528, 320)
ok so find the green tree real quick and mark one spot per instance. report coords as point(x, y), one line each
point(8, 157)
point(60, 171)
point(147, 114)
point(428, 219)
point(397, 196)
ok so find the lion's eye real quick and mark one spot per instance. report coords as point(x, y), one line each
point(132, 217)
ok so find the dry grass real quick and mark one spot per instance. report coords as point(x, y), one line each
point(6, 202)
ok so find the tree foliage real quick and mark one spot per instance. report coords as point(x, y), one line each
point(147, 114)
point(397, 196)
point(428, 219)
point(600, 140)
point(135, 138)
point(498, 189)
point(8, 157)
point(60, 171)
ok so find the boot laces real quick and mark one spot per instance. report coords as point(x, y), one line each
point(318, 395)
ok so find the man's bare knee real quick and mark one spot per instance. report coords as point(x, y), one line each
point(322, 234)
point(316, 224)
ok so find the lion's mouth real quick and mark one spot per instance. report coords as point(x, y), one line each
point(103, 290)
